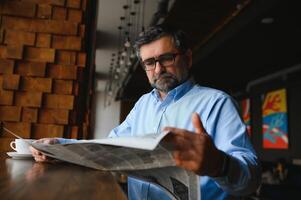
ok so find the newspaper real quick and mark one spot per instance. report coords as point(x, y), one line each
point(146, 157)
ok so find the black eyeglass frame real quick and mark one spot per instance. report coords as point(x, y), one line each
point(159, 60)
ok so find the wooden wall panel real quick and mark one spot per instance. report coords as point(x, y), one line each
point(28, 99)
point(62, 72)
point(6, 66)
point(4, 144)
point(39, 25)
point(23, 129)
point(36, 84)
point(29, 115)
point(58, 101)
point(19, 37)
point(25, 68)
point(43, 40)
point(42, 58)
point(11, 81)
point(47, 130)
point(10, 113)
point(6, 97)
point(62, 87)
point(53, 116)
point(44, 11)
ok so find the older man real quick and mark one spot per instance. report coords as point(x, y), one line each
point(208, 135)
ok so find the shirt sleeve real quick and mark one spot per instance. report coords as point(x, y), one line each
point(66, 141)
point(228, 132)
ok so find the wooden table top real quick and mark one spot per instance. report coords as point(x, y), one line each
point(27, 179)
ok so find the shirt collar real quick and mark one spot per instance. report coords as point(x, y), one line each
point(175, 93)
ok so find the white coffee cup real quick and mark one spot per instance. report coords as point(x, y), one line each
point(21, 146)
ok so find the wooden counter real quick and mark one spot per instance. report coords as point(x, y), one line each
point(27, 179)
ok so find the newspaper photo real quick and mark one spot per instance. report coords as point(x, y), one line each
point(146, 157)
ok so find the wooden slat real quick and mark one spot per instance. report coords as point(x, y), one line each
point(39, 54)
point(65, 57)
point(22, 129)
point(62, 71)
point(36, 84)
point(44, 11)
point(82, 30)
point(62, 87)
point(14, 51)
point(19, 37)
point(28, 99)
point(75, 15)
point(73, 3)
point(6, 66)
point(18, 8)
point(10, 113)
point(31, 68)
point(66, 42)
point(53, 116)
point(3, 53)
point(47, 130)
point(81, 59)
point(74, 132)
point(40, 25)
point(43, 40)
point(59, 13)
point(11, 81)
point(4, 144)
point(1, 32)
point(49, 2)
point(58, 101)
point(6, 97)
point(29, 115)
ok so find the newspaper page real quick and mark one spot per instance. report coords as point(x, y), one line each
point(178, 183)
point(144, 157)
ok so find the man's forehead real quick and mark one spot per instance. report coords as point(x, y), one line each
point(157, 47)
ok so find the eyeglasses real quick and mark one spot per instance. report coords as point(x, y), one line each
point(165, 60)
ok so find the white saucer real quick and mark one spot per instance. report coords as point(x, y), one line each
point(16, 155)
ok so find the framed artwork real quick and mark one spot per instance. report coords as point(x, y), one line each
point(274, 120)
point(246, 113)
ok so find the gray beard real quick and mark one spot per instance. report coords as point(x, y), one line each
point(165, 82)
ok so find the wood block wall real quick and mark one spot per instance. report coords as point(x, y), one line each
point(42, 57)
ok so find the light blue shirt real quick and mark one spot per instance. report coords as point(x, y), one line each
point(222, 122)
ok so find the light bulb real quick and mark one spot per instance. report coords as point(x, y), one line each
point(133, 55)
point(121, 62)
point(124, 53)
point(127, 44)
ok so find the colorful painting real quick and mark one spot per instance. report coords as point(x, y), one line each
point(275, 122)
point(246, 113)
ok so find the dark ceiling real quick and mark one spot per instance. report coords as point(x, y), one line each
point(231, 46)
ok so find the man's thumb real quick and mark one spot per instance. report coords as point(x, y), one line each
point(197, 123)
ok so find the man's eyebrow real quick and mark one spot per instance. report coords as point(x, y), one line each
point(155, 57)
point(151, 58)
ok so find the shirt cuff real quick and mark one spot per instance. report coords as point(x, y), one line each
point(66, 141)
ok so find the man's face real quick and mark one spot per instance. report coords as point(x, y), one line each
point(166, 78)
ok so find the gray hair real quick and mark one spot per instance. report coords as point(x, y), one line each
point(158, 31)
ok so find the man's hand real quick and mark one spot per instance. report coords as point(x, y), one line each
point(39, 156)
point(195, 151)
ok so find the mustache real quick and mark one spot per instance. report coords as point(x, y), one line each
point(164, 75)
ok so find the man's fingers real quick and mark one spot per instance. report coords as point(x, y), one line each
point(197, 123)
point(38, 156)
point(177, 131)
point(184, 163)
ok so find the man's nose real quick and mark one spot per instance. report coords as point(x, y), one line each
point(158, 67)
